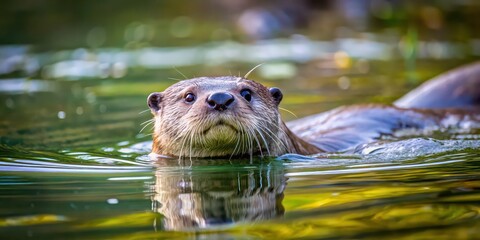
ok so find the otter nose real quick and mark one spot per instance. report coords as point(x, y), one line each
point(220, 101)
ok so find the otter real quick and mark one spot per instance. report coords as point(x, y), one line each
point(234, 116)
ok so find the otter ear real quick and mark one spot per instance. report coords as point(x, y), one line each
point(154, 100)
point(276, 94)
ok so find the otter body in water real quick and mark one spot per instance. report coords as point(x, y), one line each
point(233, 116)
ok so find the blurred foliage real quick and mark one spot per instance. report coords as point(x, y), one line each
point(111, 23)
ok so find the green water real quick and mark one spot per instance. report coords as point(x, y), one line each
point(74, 165)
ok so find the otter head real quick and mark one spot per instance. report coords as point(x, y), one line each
point(214, 117)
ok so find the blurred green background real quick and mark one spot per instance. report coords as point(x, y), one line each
point(54, 24)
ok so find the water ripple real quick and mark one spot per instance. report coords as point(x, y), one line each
point(369, 169)
point(26, 165)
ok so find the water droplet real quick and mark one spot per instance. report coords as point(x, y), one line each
point(112, 201)
point(61, 115)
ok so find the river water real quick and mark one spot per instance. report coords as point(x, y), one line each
point(73, 154)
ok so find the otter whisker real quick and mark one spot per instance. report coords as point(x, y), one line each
point(146, 125)
point(185, 147)
point(246, 145)
point(191, 162)
point(242, 141)
point(251, 148)
point(264, 140)
point(185, 138)
point(271, 138)
point(237, 145)
point(191, 144)
point(270, 146)
point(248, 73)
point(183, 75)
point(144, 111)
point(234, 149)
point(258, 143)
point(280, 130)
point(253, 141)
point(276, 139)
point(183, 144)
point(249, 143)
point(286, 110)
point(148, 121)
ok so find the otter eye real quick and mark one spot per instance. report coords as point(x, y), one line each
point(247, 94)
point(189, 97)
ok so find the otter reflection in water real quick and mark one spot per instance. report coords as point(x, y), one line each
point(203, 195)
point(234, 116)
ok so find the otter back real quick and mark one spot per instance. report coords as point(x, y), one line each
point(450, 100)
point(458, 88)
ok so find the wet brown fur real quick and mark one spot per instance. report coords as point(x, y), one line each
point(247, 128)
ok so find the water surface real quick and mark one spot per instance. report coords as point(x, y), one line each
point(73, 160)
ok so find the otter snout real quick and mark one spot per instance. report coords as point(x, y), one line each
point(220, 101)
